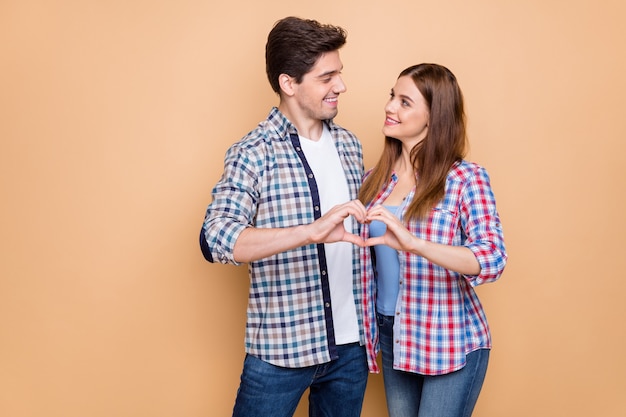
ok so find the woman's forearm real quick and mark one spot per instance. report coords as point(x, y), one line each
point(459, 259)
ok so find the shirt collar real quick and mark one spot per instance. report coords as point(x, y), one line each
point(282, 125)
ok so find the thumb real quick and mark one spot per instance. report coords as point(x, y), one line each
point(352, 238)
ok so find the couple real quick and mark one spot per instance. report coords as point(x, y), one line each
point(343, 264)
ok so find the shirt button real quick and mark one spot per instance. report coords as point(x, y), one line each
point(310, 175)
point(327, 305)
point(317, 208)
point(324, 272)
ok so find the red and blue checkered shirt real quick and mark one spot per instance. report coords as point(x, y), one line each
point(439, 318)
point(267, 183)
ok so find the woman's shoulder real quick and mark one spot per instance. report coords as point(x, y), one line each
point(463, 170)
point(466, 167)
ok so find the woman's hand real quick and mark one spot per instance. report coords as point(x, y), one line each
point(397, 236)
point(459, 259)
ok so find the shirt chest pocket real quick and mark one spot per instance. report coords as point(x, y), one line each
point(444, 225)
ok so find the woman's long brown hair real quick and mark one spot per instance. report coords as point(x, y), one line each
point(433, 157)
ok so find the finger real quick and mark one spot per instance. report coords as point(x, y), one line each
point(352, 238)
point(377, 211)
point(359, 213)
point(372, 241)
point(360, 207)
point(378, 216)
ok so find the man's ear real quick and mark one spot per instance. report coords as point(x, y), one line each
point(286, 84)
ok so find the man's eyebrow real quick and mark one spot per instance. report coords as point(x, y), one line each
point(327, 73)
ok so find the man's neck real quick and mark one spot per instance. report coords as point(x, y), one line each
point(309, 128)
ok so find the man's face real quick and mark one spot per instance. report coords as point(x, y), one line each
point(317, 94)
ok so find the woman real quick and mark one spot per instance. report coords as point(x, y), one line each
point(433, 235)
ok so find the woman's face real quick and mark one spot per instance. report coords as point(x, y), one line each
point(406, 113)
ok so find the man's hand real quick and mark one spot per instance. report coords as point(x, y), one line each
point(254, 244)
point(329, 228)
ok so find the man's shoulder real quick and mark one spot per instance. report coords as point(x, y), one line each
point(343, 135)
point(265, 132)
point(346, 141)
point(334, 126)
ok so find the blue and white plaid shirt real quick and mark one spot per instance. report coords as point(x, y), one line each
point(267, 183)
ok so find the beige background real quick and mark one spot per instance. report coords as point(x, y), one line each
point(114, 119)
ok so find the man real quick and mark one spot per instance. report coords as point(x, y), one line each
point(286, 205)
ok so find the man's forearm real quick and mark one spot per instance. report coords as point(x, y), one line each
point(254, 244)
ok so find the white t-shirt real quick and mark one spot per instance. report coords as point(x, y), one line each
point(331, 181)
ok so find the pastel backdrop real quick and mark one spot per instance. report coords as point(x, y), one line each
point(114, 119)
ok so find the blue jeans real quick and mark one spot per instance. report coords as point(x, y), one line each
point(414, 395)
point(336, 388)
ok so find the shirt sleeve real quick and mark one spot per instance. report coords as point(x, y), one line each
point(482, 227)
point(233, 206)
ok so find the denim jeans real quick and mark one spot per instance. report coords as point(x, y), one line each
point(336, 388)
point(414, 395)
